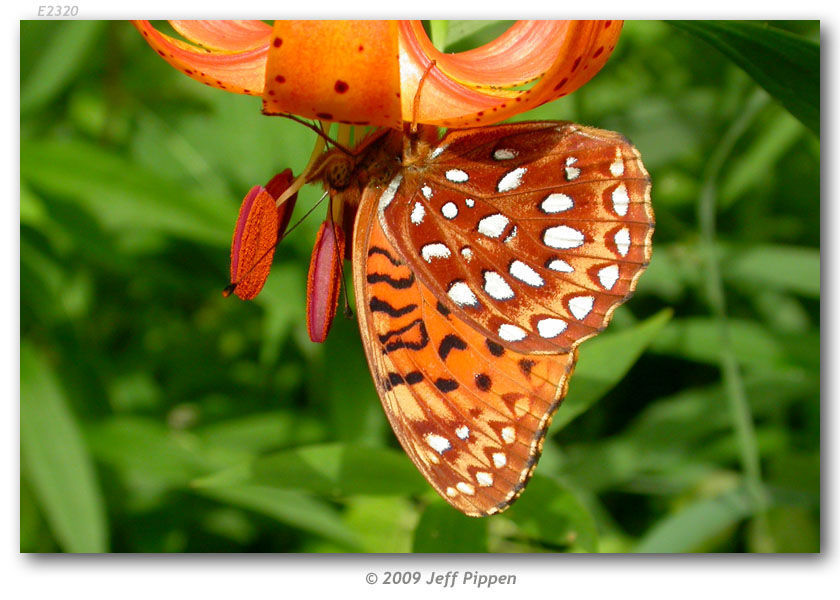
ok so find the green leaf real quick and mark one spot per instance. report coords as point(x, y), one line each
point(698, 339)
point(466, 35)
point(550, 512)
point(56, 462)
point(293, 508)
point(444, 529)
point(331, 469)
point(786, 268)
point(63, 57)
point(784, 64)
point(603, 361)
point(699, 522)
point(122, 196)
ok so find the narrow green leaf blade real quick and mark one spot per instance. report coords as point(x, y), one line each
point(688, 529)
point(56, 462)
point(293, 508)
point(784, 64)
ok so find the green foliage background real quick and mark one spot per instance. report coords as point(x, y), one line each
point(157, 416)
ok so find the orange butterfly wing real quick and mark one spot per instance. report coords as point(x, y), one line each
point(470, 414)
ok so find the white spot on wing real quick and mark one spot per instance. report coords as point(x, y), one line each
point(563, 237)
point(620, 200)
point(438, 442)
point(493, 226)
point(449, 210)
point(436, 250)
point(389, 193)
point(484, 479)
point(417, 213)
point(427, 191)
point(511, 180)
point(581, 306)
point(437, 152)
point(572, 173)
point(558, 264)
point(499, 459)
point(511, 333)
point(450, 491)
point(556, 203)
point(457, 176)
point(496, 286)
point(465, 488)
point(608, 276)
point(525, 273)
point(622, 241)
point(617, 167)
point(508, 435)
point(549, 328)
point(467, 253)
point(505, 154)
point(462, 295)
point(469, 202)
point(511, 235)
point(463, 432)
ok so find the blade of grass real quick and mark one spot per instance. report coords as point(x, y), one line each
point(56, 462)
point(730, 370)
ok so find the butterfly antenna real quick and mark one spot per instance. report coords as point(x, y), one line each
point(321, 133)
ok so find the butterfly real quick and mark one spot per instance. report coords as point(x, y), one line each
point(481, 260)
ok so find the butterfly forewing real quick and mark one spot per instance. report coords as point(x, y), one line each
point(532, 232)
point(470, 414)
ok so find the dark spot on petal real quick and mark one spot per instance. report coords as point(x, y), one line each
point(341, 86)
point(577, 63)
point(598, 52)
point(361, 48)
point(561, 84)
point(280, 79)
point(607, 24)
point(277, 42)
point(323, 115)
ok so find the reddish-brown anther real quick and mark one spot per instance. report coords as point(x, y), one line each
point(324, 282)
point(259, 226)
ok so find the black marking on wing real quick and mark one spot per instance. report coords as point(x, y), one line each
point(449, 343)
point(399, 342)
point(378, 250)
point(494, 348)
point(446, 385)
point(378, 305)
point(398, 284)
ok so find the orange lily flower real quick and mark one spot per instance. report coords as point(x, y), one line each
point(367, 72)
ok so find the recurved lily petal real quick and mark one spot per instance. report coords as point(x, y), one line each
point(227, 36)
point(345, 71)
point(259, 226)
point(469, 88)
point(368, 72)
point(324, 284)
point(242, 72)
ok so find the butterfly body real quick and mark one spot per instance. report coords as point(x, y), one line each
point(480, 262)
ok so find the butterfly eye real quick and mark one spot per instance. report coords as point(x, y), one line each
point(324, 281)
point(260, 225)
